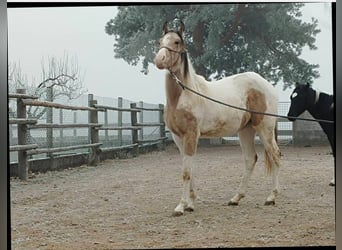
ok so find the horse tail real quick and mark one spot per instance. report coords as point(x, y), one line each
point(272, 159)
point(268, 163)
point(272, 154)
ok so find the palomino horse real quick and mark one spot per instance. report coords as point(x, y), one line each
point(189, 116)
point(320, 105)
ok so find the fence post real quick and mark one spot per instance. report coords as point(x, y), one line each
point(106, 124)
point(61, 135)
point(162, 127)
point(94, 155)
point(135, 139)
point(120, 121)
point(49, 119)
point(90, 99)
point(75, 121)
point(141, 120)
point(22, 138)
point(10, 133)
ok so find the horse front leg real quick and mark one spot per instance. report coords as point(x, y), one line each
point(332, 182)
point(332, 144)
point(187, 146)
point(186, 202)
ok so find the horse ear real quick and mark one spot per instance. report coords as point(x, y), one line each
point(181, 29)
point(308, 85)
point(165, 27)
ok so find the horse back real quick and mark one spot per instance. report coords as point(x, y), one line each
point(249, 85)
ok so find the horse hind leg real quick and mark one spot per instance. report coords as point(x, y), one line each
point(272, 161)
point(246, 136)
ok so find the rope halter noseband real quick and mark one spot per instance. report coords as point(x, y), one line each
point(180, 52)
point(172, 50)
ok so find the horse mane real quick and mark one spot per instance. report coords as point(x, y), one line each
point(185, 60)
point(192, 79)
point(324, 103)
point(324, 98)
point(189, 73)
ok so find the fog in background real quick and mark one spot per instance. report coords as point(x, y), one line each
point(37, 33)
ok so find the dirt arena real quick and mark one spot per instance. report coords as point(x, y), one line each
point(128, 203)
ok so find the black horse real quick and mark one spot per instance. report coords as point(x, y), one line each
point(320, 105)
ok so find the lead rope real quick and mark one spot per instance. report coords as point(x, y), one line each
point(183, 86)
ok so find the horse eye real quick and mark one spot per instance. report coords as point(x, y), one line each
point(177, 42)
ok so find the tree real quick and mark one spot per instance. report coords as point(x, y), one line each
point(63, 75)
point(223, 39)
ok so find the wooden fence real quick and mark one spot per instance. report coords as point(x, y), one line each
point(24, 124)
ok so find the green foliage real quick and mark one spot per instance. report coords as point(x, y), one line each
point(223, 39)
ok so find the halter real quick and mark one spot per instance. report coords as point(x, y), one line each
point(172, 50)
point(183, 51)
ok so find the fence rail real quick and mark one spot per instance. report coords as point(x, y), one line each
point(22, 121)
point(24, 125)
point(31, 102)
point(58, 125)
point(103, 132)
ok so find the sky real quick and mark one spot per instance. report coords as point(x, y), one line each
point(38, 33)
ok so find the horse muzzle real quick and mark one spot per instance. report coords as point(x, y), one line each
point(161, 59)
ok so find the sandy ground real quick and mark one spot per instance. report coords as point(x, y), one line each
point(128, 203)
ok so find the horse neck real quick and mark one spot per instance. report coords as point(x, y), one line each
point(323, 108)
point(184, 70)
point(173, 92)
point(313, 102)
point(186, 74)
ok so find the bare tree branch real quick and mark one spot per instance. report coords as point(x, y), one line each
point(43, 83)
point(62, 74)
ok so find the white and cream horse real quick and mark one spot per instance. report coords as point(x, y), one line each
point(189, 116)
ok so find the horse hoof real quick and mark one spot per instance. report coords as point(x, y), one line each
point(332, 184)
point(177, 213)
point(269, 203)
point(189, 209)
point(233, 203)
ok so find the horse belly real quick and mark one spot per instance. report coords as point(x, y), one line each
point(217, 133)
point(218, 127)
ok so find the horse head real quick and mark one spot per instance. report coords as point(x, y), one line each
point(300, 98)
point(172, 50)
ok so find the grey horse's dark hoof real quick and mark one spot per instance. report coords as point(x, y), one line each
point(233, 203)
point(177, 213)
point(189, 209)
point(269, 203)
